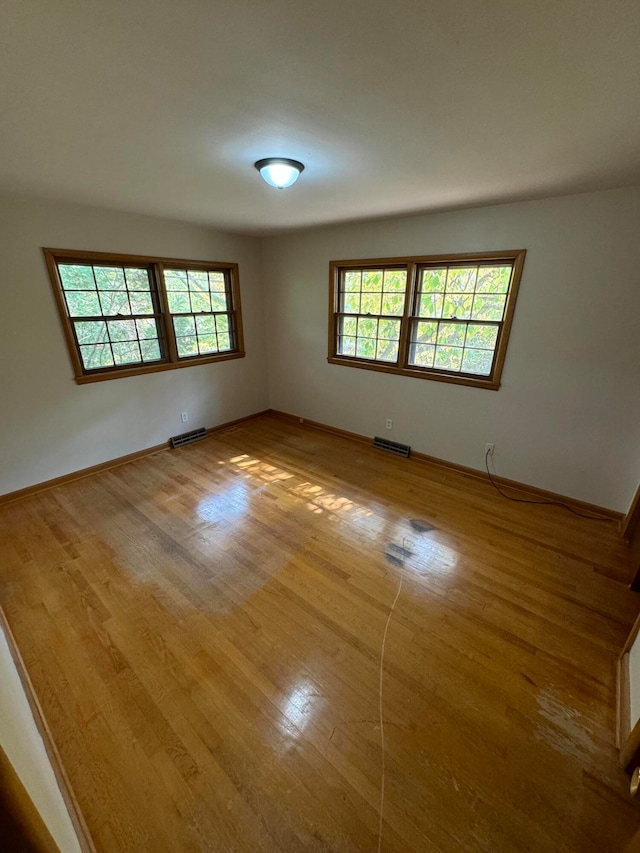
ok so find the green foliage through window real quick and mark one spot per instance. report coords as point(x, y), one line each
point(372, 297)
point(112, 293)
point(421, 316)
point(200, 302)
point(124, 315)
point(465, 307)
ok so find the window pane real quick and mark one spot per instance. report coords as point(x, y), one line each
point(482, 337)
point(176, 279)
point(114, 302)
point(184, 326)
point(393, 303)
point(91, 333)
point(147, 329)
point(371, 303)
point(179, 303)
point(122, 330)
point(207, 343)
point(198, 281)
point(458, 305)
point(351, 303)
point(346, 345)
point(217, 281)
point(493, 279)
point(222, 324)
point(205, 324)
point(200, 302)
point(150, 350)
point(366, 348)
point(187, 346)
point(141, 303)
point(372, 280)
point(461, 279)
point(110, 278)
point(126, 353)
point(353, 281)
point(477, 361)
point(425, 333)
point(367, 327)
point(137, 279)
point(83, 304)
point(218, 302)
point(387, 351)
point(76, 277)
point(431, 305)
point(98, 355)
point(224, 341)
point(389, 329)
point(349, 325)
point(448, 358)
point(452, 334)
point(488, 307)
point(395, 281)
point(422, 355)
point(434, 280)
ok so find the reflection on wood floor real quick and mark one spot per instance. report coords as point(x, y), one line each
point(203, 630)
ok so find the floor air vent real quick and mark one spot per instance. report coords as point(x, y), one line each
point(188, 437)
point(392, 446)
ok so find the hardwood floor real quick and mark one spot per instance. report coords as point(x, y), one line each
point(203, 629)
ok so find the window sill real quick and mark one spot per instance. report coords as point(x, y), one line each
point(453, 378)
point(138, 370)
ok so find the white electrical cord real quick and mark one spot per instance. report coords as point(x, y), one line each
point(384, 643)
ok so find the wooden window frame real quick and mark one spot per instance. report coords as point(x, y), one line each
point(413, 265)
point(156, 267)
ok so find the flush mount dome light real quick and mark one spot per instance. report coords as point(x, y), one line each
point(279, 172)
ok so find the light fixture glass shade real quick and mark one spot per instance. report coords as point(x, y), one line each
point(279, 172)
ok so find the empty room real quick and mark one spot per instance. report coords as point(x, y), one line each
point(319, 426)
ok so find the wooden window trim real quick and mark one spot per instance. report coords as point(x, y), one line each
point(413, 265)
point(156, 266)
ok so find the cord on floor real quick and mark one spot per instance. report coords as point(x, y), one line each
point(382, 746)
point(541, 503)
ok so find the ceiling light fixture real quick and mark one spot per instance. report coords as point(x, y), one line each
point(279, 172)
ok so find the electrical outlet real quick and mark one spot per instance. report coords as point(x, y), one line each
point(488, 449)
point(184, 417)
point(389, 423)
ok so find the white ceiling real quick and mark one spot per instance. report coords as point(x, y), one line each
point(162, 106)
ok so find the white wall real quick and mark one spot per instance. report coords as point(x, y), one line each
point(567, 417)
point(27, 753)
point(49, 426)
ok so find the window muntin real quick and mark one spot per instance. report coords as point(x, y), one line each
point(127, 314)
point(371, 302)
point(200, 304)
point(460, 311)
point(114, 314)
point(444, 318)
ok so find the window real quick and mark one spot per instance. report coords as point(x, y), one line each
point(125, 314)
point(443, 318)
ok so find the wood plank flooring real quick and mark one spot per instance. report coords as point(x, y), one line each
point(203, 630)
